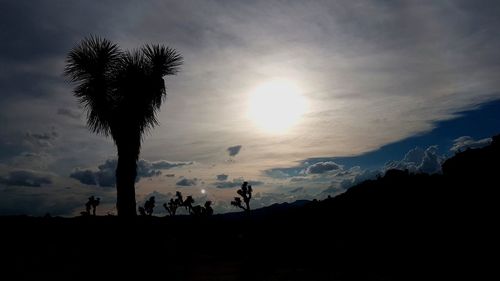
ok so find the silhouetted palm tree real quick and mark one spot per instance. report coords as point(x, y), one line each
point(121, 92)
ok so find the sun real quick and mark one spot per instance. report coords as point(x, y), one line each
point(275, 106)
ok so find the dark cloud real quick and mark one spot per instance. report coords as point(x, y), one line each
point(146, 170)
point(13, 202)
point(41, 26)
point(466, 142)
point(84, 176)
point(187, 182)
point(165, 165)
point(234, 150)
point(41, 140)
point(56, 200)
point(26, 178)
point(236, 183)
point(105, 174)
point(278, 173)
point(31, 155)
point(322, 167)
point(222, 177)
point(69, 113)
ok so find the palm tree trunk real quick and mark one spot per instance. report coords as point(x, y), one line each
point(126, 172)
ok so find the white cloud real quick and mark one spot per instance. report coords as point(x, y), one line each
point(322, 167)
point(418, 160)
point(466, 142)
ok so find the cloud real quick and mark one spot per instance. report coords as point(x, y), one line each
point(418, 160)
point(298, 179)
point(236, 183)
point(281, 173)
point(69, 113)
point(164, 165)
point(41, 140)
point(13, 202)
point(58, 200)
point(187, 182)
point(26, 178)
point(84, 176)
point(306, 166)
point(105, 175)
point(431, 162)
point(466, 142)
point(359, 178)
point(322, 167)
point(234, 150)
point(295, 190)
point(222, 177)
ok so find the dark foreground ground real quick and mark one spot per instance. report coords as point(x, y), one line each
point(398, 227)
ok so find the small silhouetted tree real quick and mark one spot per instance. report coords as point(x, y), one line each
point(179, 200)
point(202, 211)
point(246, 193)
point(188, 204)
point(92, 203)
point(142, 211)
point(149, 205)
point(171, 206)
point(208, 208)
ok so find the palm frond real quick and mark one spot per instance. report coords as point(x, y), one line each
point(91, 65)
point(162, 60)
point(140, 84)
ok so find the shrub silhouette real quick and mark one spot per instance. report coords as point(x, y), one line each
point(148, 208)
point(208, 208)
point(246, 193)
point(188, 203)
point(92, 203)
point(142, 211)
point(121, 92)
point(171, 207)
point(205, 210)
point(149, 205)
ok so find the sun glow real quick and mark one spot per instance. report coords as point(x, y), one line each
point(276, 106)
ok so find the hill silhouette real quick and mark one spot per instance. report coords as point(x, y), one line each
point(401, 226)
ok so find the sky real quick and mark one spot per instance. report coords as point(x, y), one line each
point(302, 99)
